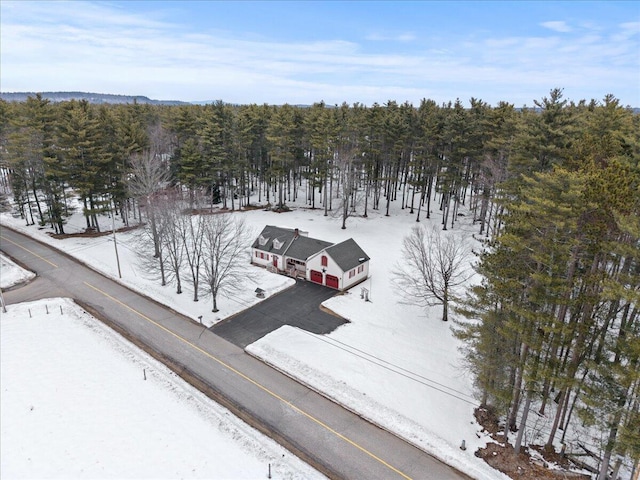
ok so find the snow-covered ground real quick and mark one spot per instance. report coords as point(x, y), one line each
point(11, 274)
point(394, 363)
point(79, 401)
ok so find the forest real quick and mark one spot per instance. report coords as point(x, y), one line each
point(554, 190)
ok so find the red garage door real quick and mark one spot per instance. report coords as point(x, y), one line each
point(316, 277)
point(332, 281)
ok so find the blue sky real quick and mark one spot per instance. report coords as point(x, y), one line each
point(303, 52)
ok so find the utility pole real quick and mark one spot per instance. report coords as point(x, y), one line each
point(115, 243)
point(4, 306)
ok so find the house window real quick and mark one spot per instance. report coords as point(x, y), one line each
point(324, 260)
point(257, 254)
point(352, 273)
point(361, 269)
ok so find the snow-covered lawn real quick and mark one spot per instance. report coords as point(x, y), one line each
point(11, 274)
point(75, 404)
point(396, 364)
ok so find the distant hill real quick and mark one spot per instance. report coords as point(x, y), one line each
point(96, 98)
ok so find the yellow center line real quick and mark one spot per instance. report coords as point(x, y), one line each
point(254, 382)
point(27, 250)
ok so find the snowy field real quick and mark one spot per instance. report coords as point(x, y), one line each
point(75, 404)
point(394, 363)
point(11, 274)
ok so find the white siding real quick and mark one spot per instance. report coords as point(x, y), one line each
point(332, 268)
point(357, 277)
point(258, 260)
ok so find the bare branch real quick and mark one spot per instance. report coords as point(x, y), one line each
point(226, 242)
point(433, 268)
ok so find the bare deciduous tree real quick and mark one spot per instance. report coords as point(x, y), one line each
point(172, 220)
point(149, 175)
point(349, 172)
point(149, 170)
point(433, 267)
point(150, 247)
point(225, 240)
point(191, 230)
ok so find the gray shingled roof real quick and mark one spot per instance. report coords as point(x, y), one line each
point(284, 235)
point(303, 247)
point(347, 254)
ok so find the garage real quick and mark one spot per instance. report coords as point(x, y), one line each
point(332, 281)
point(316, 277)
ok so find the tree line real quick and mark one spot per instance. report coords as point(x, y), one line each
point(553, 189)
point(346, 159)
point(555, 320)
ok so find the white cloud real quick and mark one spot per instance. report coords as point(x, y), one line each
point(82, 46)
point(627, 31)
point(633, 27)
point(557, 26)
point(402, 37)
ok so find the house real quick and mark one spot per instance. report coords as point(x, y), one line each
point(340, 266)
point(293, 252)
point(268, 249)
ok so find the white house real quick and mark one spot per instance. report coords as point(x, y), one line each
point(268, 249)
point(291, 251)
point(340, 266)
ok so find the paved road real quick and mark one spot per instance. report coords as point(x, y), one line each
point(332, 439)
point(298, 306)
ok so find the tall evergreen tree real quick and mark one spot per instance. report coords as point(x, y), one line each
point(86, 158)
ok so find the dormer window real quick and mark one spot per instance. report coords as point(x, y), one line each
point(277, 244)
point(262, 241)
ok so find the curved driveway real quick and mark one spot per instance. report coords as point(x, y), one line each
point(335, 441)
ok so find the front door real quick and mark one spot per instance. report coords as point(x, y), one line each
point(275, 261)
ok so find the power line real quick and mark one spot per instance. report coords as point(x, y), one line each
point(416, 377)
point(396, 369)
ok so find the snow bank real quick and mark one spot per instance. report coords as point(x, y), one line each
point(12, 274)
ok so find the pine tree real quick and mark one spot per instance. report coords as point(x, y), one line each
point(281, 145)
point(86, 158)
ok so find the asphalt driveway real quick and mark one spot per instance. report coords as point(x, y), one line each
point(298, 306)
